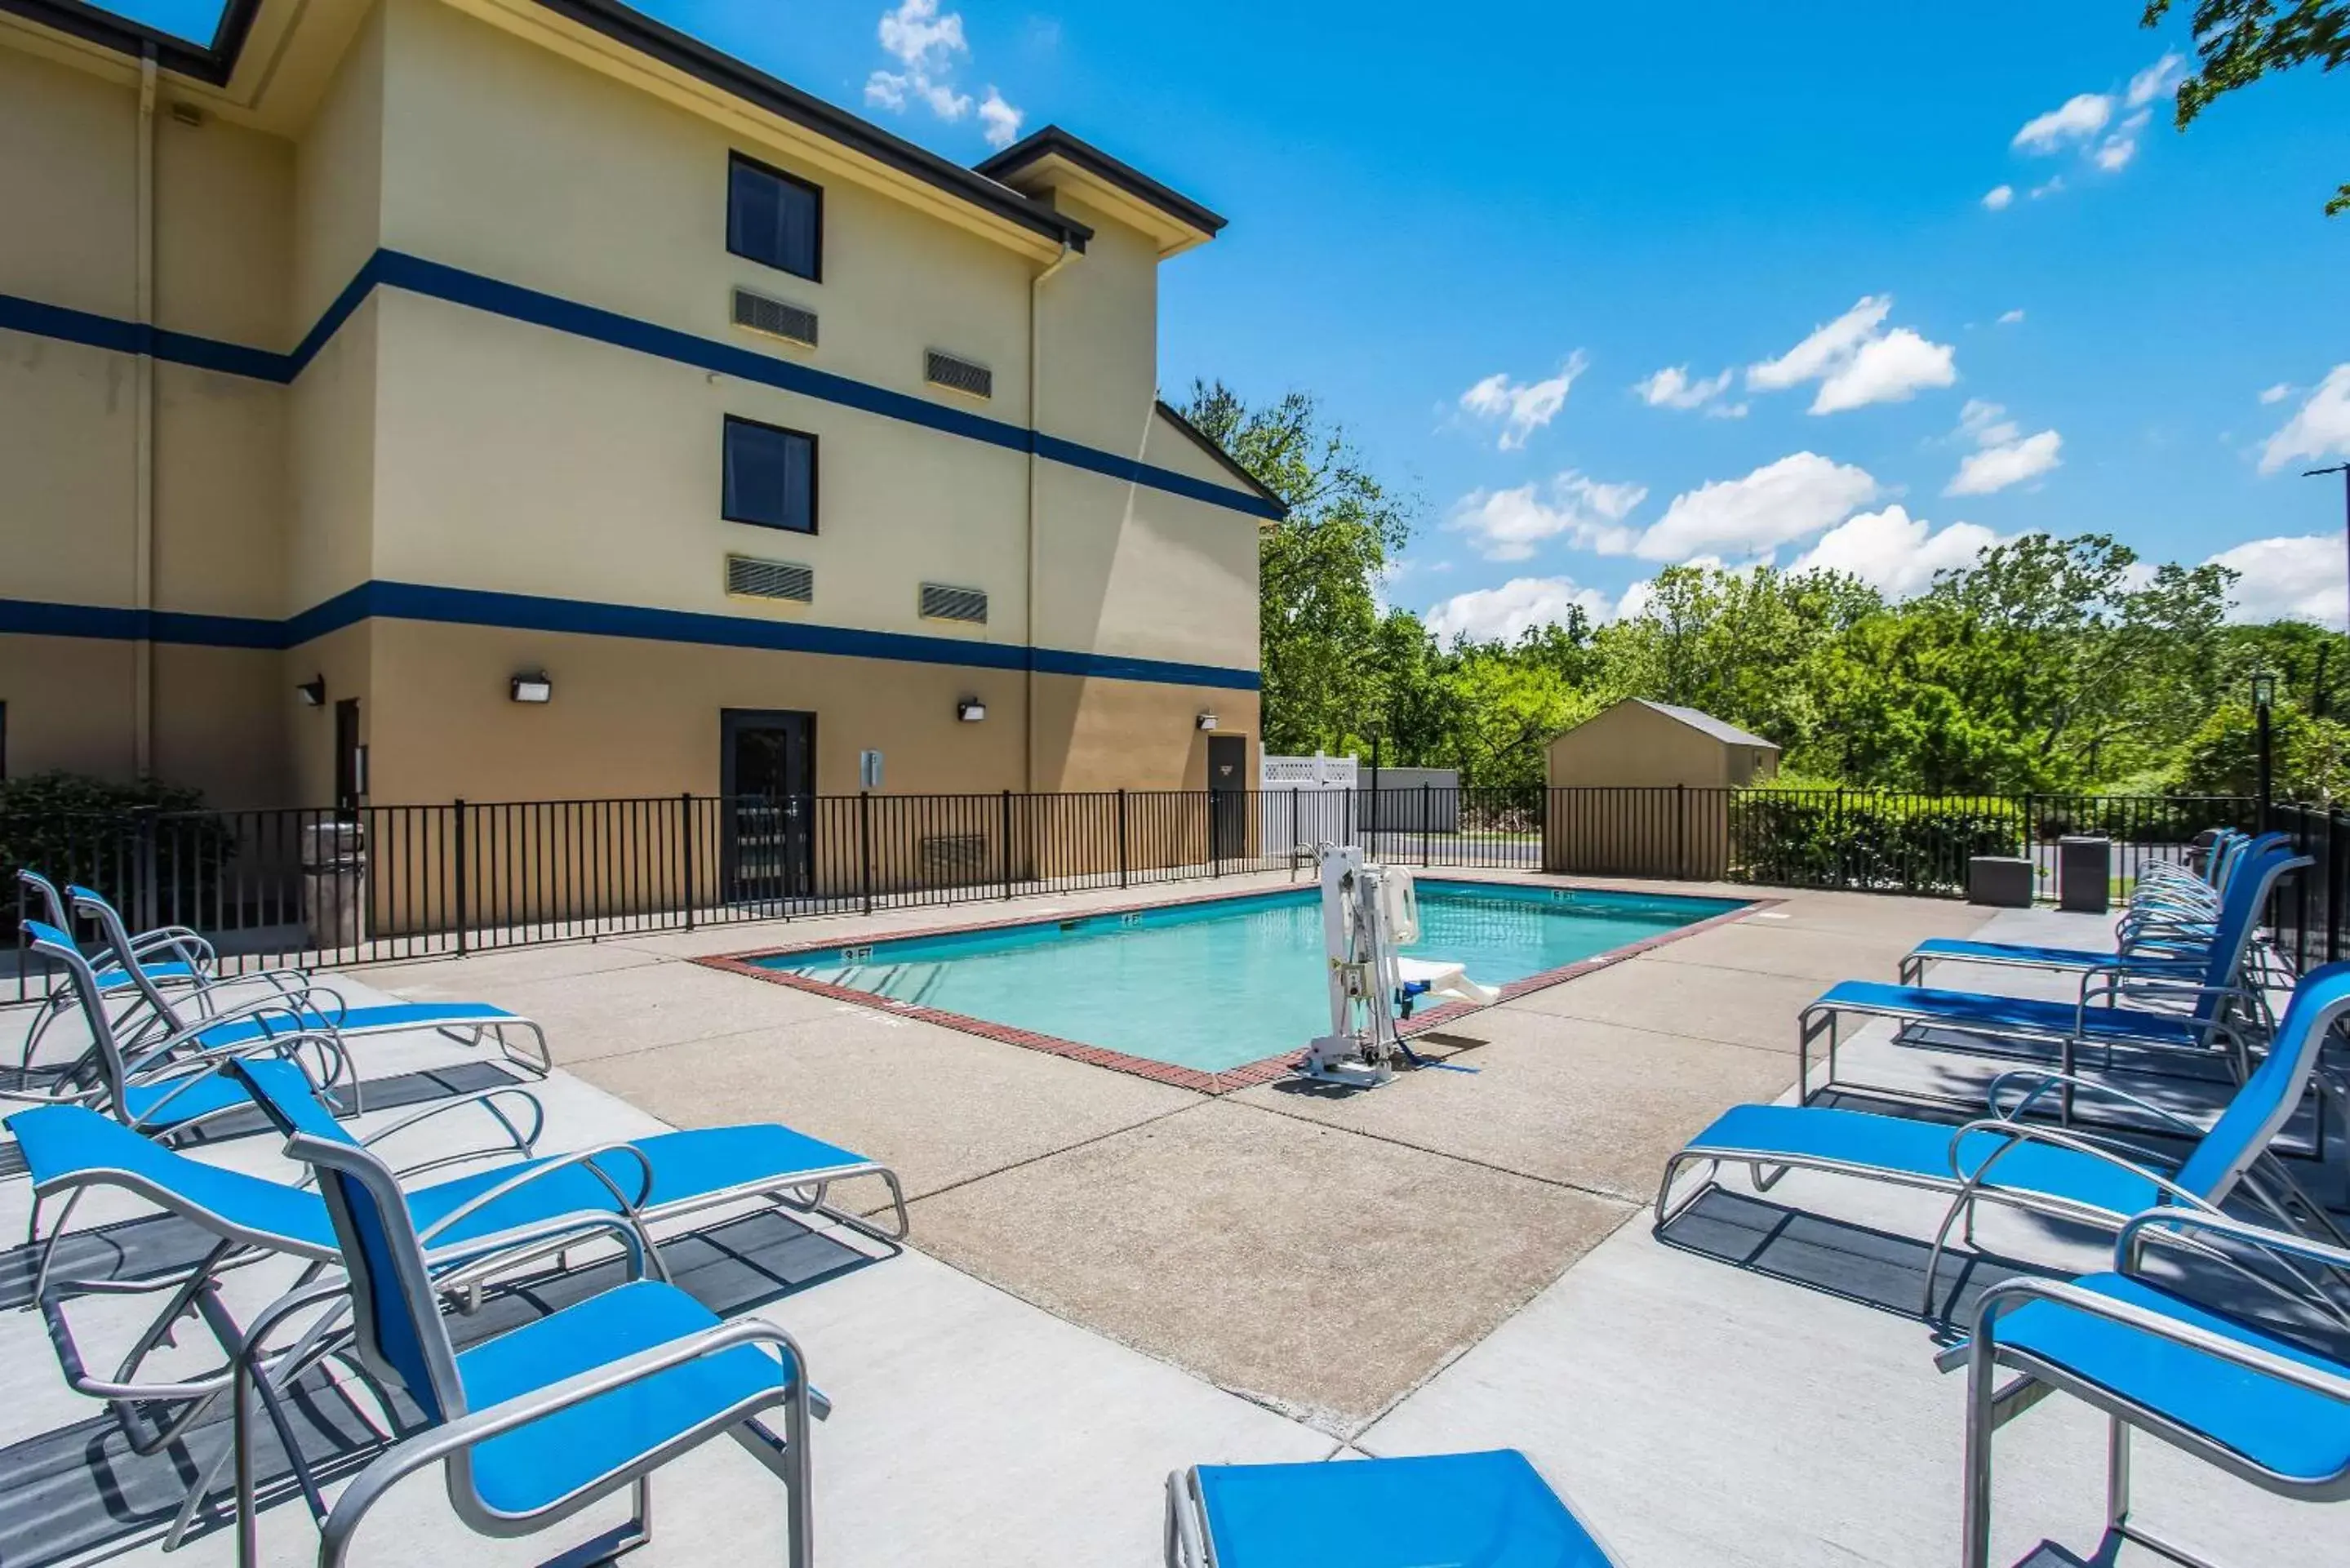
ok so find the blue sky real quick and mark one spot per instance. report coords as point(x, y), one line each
point(1435, 216)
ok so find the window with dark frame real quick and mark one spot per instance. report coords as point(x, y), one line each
point(773, 219)
point(770, 479)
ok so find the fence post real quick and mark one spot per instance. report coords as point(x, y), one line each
point(685, 860)
point(1295, 844)
point(1006, 827)
point(1121, 837)
point(865, 846)
point(1680, 832)
point(144, 901)
point(1427, 798)
point(465, 905)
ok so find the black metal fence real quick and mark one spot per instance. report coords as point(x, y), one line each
point(318, 886)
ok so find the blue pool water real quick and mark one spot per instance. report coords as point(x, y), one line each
point(1216, 985)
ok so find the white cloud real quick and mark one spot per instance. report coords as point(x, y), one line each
point(1986, 423)
point(2079, 119)
point(2083, 122)
point(928, 46)
point(1857, 362)
point(1998, 197)
point(2008, 463)
point(894, 89)
point(2009, 317)
point(1776, 504)
point(1518, 606)
point(1673, 388)
point(1827, 348)
point(2114, 153)
point(2300, 578)
point(1895, 553)
point(2319, 429)
point(920, 38)
point(1887, 370)
point(1506, 525)
point(1522, 407)
point(1000, 119)
point(2159, 79)
point(2278, 393)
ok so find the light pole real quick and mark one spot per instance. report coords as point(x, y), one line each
point(2343, 470)
point(2264, 698)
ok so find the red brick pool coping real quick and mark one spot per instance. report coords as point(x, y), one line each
point(1229, 1080)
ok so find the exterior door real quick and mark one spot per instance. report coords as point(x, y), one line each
point(351, 760)
point(1228, 796)
point(768, 770)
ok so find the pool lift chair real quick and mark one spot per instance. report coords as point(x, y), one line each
point(1368, 913)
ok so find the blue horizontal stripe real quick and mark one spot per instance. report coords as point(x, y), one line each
point(436, 280)
point(530, 612)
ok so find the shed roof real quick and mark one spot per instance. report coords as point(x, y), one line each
point(1706, 723)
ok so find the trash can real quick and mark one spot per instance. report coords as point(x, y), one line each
point(334, 883)
point(2001, 881)
point(2084, 872)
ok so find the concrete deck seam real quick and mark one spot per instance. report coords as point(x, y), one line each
point(1560, 1182)
point(1643, 1029)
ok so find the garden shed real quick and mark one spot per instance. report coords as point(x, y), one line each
point(1643, 789)
point(1639, 742)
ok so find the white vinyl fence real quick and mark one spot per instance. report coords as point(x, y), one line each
point(1305, 801)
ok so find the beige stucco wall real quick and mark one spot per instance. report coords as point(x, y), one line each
point(1629, 744)
point(69, 419)
point(518, 459)
point(427, 442)
point(613, 198)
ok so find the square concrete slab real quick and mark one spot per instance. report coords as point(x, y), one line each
point(1595, 1105)
point(1733, 1006)
point(938, 1106)
point(1318, 1270)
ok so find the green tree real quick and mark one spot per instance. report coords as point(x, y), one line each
point(2309, 758)
point(2240, 41)
point(1318, 613)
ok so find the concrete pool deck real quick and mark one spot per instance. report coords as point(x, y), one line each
point(1110, 1277)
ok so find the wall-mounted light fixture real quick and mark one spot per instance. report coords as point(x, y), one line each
point(313, 691)
point(1205, 722)
point(971, 710)
point(533, 687)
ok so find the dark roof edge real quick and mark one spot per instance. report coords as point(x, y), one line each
point(215, 62)
point(1053, 139)
point(625, 25)
point(209, 63)
point(1208, 445)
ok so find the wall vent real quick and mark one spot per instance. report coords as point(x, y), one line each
point(940, 602)
point(957, 375)
point(775, 318)
point(758, 580)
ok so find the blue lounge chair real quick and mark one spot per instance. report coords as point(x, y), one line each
point(173, 957)
point(477, 1225)
point(168, 1029)
point(546, 1420)
point(2223, 1388)
point(175, 1086)
point(2155, 936)
point(2211, 1012)
point(2032, 1166)
point(1488, 1509)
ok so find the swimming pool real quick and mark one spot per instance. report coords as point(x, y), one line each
point(1223, 982)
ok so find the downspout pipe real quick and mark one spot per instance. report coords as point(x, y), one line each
point(1036, 370)
point(142, 521)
